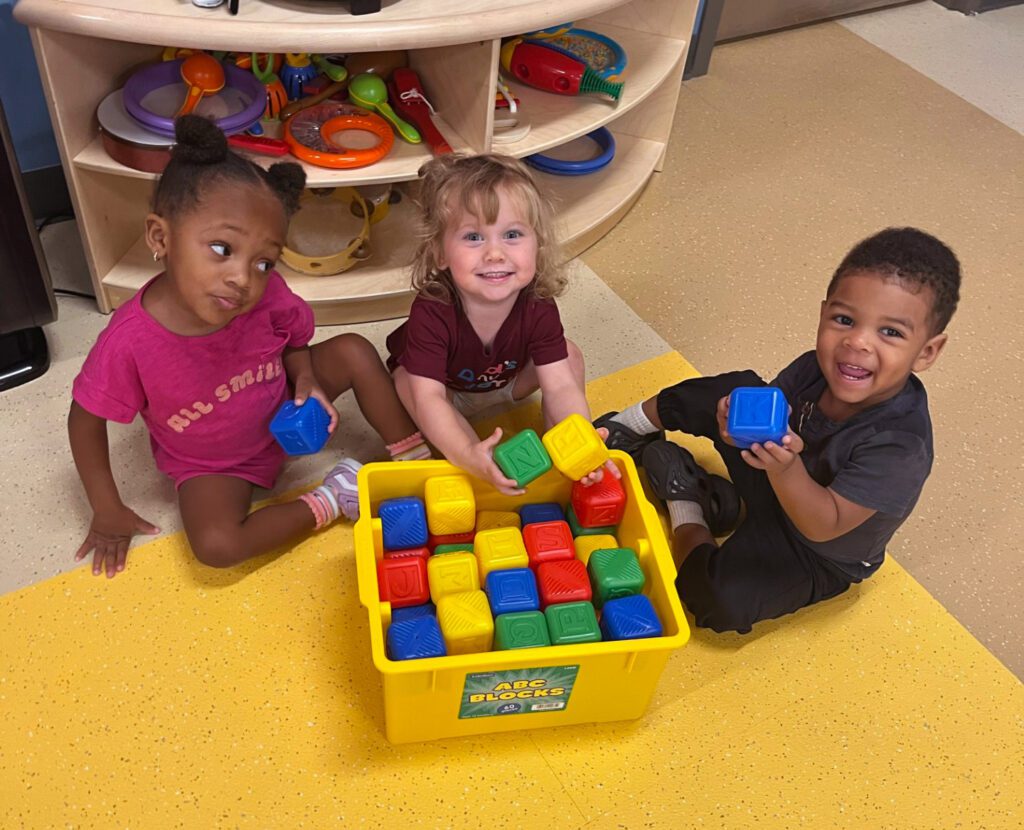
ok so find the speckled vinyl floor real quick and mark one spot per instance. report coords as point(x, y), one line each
point(186, 697)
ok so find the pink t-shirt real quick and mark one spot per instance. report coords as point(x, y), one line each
point(207, 400)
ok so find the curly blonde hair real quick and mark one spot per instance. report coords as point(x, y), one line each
point(456, 184)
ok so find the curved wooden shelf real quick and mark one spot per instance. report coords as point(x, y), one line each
point(86, 48)
point(379, 288)
point(555, 119)
point(400, 165)
point(304, 25)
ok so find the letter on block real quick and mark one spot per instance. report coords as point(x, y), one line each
point(614, 572)
point(454, 573)
point(757, 414)
point(500, 549)
point(629, 618)
point(522, 457)
point(451, 506)
point(548, 542)
point(403, 522)
point(403, 581)
point(575, 447)
point(601, 504)
point(466, 622)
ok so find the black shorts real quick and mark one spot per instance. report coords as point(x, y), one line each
point(763, 570)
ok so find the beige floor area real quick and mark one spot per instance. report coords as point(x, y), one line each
point(793, 148)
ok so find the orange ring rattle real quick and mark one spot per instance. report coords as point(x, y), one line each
point(308, 134)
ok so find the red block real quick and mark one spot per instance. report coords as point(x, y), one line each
point(548, 542)
point(422, 553)
point(403, 581)
point(564, 580)
point(601, 504)
point(450, 539)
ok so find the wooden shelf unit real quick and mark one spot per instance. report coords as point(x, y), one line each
point(86, 49)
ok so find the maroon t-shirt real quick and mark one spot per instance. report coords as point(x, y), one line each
point(439, 342)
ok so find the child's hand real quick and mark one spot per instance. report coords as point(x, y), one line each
point(774, 458)
point(110, 534)
point(722, 414)
point(307, 387)
point(596, 475)
point(479, 461)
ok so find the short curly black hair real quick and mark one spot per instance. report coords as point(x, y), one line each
point(201, 159)
point(910, 256)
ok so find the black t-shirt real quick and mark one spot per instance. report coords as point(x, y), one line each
point(878, 459)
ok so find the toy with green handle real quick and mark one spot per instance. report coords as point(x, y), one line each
point(370, 92)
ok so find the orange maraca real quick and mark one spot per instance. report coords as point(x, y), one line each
point(204, 76)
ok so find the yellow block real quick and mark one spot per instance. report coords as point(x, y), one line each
point(466, 622)
point(586, 545)
point(499, 549)
point(451, 507)
point(575, 447)
point(453, 573)
point(490, 519)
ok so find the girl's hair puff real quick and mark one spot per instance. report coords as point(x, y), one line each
point(456, 184)
point(201, 159)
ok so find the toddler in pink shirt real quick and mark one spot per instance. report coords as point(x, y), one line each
point(206, 352)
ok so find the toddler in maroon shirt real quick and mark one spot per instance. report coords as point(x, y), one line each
point(484, 329)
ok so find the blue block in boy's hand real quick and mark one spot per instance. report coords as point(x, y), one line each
point(414, 639)
point(301, 430)
point(757, 414)
point(403, 523)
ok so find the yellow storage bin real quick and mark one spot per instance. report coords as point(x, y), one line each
point(500, 691)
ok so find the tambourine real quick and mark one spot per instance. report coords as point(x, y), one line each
point(356, 251)
point(309, 135)
point(154, 93)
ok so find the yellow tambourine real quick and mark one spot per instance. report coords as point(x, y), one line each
point(356, 251)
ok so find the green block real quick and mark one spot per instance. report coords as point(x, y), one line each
point(522, 457)
point(614, 572)
point(579, 530)
point(572, 622)
point(461, 547)
point(521, 629)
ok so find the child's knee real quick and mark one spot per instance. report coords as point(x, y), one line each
point(216, 547)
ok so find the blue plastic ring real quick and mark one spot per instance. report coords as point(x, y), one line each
point(601, 136)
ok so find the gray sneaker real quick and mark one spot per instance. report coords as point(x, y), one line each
point(621, 437)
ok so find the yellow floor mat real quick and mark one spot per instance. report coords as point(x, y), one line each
point(178, 696)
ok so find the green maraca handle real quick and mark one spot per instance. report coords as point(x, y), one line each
point(404, 128)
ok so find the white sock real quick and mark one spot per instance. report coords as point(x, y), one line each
point(636, 419)
point(685, 513)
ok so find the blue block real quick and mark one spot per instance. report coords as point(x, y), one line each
point(629, 618)
point(545, 512)
point(411, 612)
point(301, 430)
point(416, 638)
point(757, 414)
point(512, 590)
point(404, 522)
